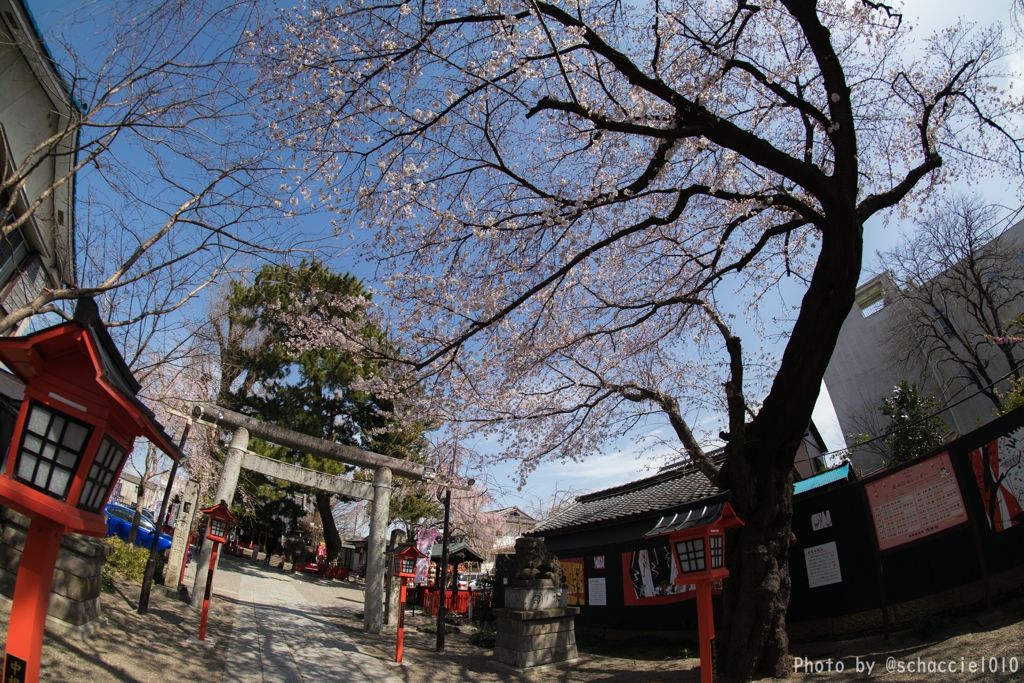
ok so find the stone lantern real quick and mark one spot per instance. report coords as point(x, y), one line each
point(697, 538)
point(76, 426)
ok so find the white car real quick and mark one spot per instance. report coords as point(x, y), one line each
point(469, 581)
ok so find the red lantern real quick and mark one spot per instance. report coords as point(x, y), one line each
point(217, 531)
point(404, 564)
point(697, 538)
point(403, 567)
point(220, 522)
point(76, 426)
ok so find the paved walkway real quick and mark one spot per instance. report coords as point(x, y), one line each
point(281, 636)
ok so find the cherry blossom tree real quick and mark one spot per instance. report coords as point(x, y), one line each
point(176, 187)
point(574, 206)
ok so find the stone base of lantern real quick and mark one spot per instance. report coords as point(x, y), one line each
point(74, 608)
point(536, 628)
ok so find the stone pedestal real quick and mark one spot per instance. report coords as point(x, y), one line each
point(75, 594)
point(179, 542)
point(535, 627)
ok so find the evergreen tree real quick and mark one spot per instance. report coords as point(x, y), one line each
point(311, 391)
point(914, 428)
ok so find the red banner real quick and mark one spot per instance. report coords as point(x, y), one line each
point(648, 578)
point(999, 471)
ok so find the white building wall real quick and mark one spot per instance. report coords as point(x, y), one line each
point(862, 372)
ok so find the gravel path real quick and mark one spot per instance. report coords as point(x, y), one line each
point(138, 649)
point(993, 642)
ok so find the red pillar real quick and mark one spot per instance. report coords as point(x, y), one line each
point(209, 591)
point(706, 628)
point(401, 621)
point(31, 598)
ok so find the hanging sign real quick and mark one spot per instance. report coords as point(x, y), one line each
point(915, 502)
point(821, 520)
point(648, 577)
point(425, 539)
point(572, 570)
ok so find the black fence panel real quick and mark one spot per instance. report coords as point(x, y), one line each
point(680, 614)
point(850, 530)
point(924, 567)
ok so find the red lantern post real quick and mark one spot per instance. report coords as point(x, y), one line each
point(698, 544)
point(217, 531)
point(75, 429)
point(404, 568)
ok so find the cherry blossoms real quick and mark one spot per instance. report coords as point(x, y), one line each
point(573, 205)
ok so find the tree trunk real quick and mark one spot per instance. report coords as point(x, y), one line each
point(332, 540)
point(139, 504)
point(758, 588)
point(759, 465)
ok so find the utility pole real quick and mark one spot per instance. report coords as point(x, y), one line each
point(147, 579)
point(442, 575)
point(443, 570)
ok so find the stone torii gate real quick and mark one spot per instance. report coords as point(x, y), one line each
point(239, 456)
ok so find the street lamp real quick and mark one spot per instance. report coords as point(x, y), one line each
point(697, 539)
point(217, 532)
point(404, 568)
point(443, 571)
point(76, 426)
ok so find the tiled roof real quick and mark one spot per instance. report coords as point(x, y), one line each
point(11, 386)
point(458, 549)
point(666, 489)
point(511, 512)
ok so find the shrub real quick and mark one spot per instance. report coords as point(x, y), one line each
point(482, 601)
point(432, 628)
point(126, 561)
point(482, 637)
point(929, 628)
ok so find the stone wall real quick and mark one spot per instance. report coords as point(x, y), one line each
point(75, 595)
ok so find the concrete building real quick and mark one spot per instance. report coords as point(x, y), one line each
point(126, 492)
point(878, 347)
point(38, 131)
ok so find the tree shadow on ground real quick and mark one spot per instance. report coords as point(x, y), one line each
point(133, 648)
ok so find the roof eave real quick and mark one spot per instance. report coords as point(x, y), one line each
point(652, 514)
